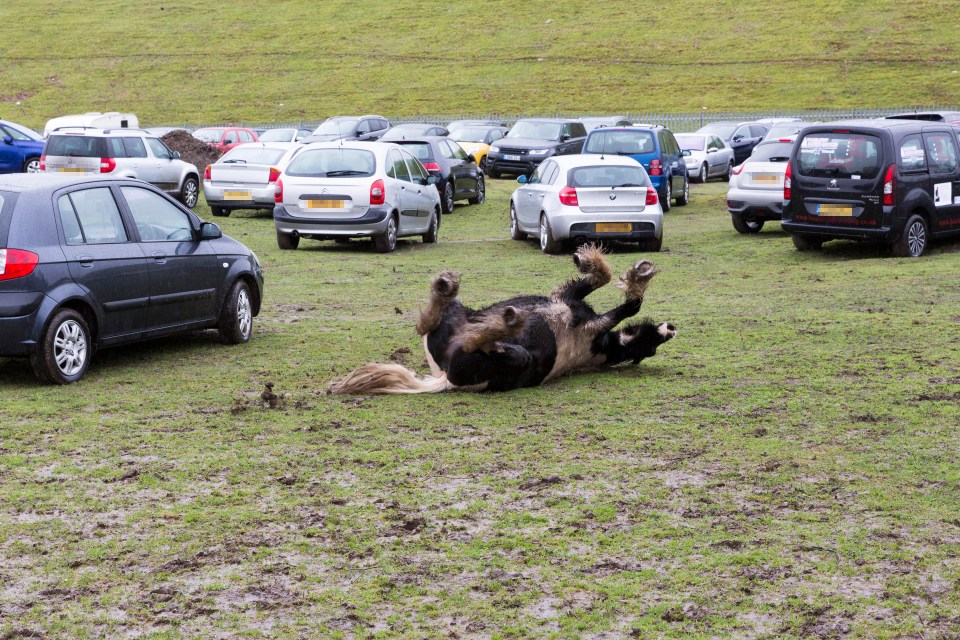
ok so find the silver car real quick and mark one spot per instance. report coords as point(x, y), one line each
point(587, 198)
point(755, 194)
point(246, 176)
point(706, 155)
point(286, 134)
point(338, 191)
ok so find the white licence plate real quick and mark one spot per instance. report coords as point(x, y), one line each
point(514, 158)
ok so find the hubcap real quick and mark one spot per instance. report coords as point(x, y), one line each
point(244, 315)
point(33, 166)
point(481, 190)
point(513, 221)
point(703, 173)
point(448, 194)
point(70, 348)
point(190, 195)
point(543, 233)
point(916, 238)
point(392, 232)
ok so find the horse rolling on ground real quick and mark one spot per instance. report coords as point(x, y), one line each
point(524, 341)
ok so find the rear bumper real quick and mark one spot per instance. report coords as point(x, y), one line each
point(20, 322)
point(374, 221)
point(565, 226)
point(756, 204)
point(827, 232)
point(260, 198)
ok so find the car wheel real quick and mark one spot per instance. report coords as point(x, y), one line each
point(726, 172)
point(220, 212)
point(433, 232)
point(32, 165)
point(446, 198)
point(746, 226)
point(483, 164)
point(287, 241)
point(64, 351)
point(515, 233)
point(667, 196)
point(189, 191)
point(913, 241)
point(651, 244)
point(547, 242)
point(481, 191)
point(704, 173)
point(806, 243)
point(685, 198)
point(236, 315)
point(387, 241)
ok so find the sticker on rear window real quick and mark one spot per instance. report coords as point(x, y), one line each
point(943, 194)
point(820, 144)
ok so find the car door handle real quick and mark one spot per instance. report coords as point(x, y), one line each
point(159, 257)
point(85, 260)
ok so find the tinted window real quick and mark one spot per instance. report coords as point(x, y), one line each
point(420, 149)
point(533, 129)
point(417, 172)
point(398, 168)
point(321, 163)
point(577, 130)
point(159, 149)
point(773, 152)
point(134, 147)
point(78, 146)
point(620, 142)
point(913, 157)
point(942, 152)
point(671, 144)
point(839, 155)
point(115, 148)
point(758, 131)
point(97, 215)
point(608, 176)
point(157, 219)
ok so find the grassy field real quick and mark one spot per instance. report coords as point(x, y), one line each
point(785, 468)
point(174, 62)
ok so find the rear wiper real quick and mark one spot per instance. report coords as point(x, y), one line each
point(234, 162)
point(628, 184)
point(346, 172)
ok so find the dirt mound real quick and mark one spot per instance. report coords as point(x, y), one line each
point(191, 150)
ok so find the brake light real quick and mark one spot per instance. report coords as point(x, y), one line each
point(43, 162)
point(16, 263)
point(206, 173)
point(737, 169)
point(274, 174)
point(652, 197)
point(787, 181)
point(568, 196)
point(890, 186)
point(656, 169)
point(278, 192)
point(431, 166)
point(378, 193)
point(107, 165)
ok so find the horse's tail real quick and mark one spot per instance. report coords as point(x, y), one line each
point(388, 378)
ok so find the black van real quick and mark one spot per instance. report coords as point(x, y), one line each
point(892, 181)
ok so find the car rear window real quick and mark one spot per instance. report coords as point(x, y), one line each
point(620, 142)
point(828, 154)
point(339, 161)
point(608, 176)
point(419, 149)
point(536, 130)
point(691, 143)
point(248, 155)
point(75, 146)
point(773, 152)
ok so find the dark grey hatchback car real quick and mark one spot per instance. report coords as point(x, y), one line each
point(88, 263)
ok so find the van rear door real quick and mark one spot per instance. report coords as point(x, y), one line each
point(944, 167)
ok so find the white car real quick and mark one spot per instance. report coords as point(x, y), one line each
point(755, 194)
point(706, 155)
point(246, 176)
point(338, 191)
point(587, 198)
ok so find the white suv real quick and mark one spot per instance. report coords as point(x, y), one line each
point(121, 153)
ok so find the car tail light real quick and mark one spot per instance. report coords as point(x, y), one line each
point(378, 193)
point(206, 173)
point(107, 165)
point(431, 166)
point(652, 197)
point(274, 174)
point(655, 167)
point(16, 263)
point(737, 169)
point(278, 192)
point(890, 186)
point(43, 162)
point(568, 196)
point(787, 181)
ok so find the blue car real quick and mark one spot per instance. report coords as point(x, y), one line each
point(656, 149)
point(20, 149)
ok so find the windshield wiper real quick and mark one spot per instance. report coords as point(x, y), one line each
point(346, 172)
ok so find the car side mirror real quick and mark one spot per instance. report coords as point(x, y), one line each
point(686, 152)
point(210, 231)
point(565, 137)
point(176, 155)
point(432, 179)
point(522, 179)
point(737, 138)
point(471, 158)
point(712, 150)
point(8, 139)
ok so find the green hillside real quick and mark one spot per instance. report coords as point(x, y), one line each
point(172, 61)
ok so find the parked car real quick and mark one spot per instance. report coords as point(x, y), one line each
point(887, 180)
point(584, 198)
point(412, 130)
point(457, 124)
point(285, 134)
point(20, 149)
point(755, 194)
point(121, 153)
point(246, 176)
point(530, 141)
point(349, 128)
point(786, 129)
point(952, 117)
point(705, 155)
point(656, 149)
point(594, 122)
point(476, 140)
point(225, 138)
point(343, 190)
point(742, 137)
point(458, 175)
point(89, 263)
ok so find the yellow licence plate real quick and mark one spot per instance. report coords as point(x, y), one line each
point(834, 210)
point(72, 170)
point(614, 227)
point(766, 179)
point(323, 204)
point(236, 195)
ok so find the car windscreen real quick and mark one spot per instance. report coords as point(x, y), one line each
point(827, 154)
point(277, 135)
point(421, 150)
point(336, 126)
point(691, 142)
point(252, 155)
point(75, 146)
point(469, 134)
point(533, 129)
point(208, 135)
point(720, 129)
point(772, 152)
point(328, 163)
point(620, 142)
point(608, 176)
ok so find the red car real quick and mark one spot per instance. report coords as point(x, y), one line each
point(225, 138)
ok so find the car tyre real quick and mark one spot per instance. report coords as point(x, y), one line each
point(548, 244)
point(387, 241)
point(704, 173)
point(726, 172)
point(746, 226)
point(481, 191)
point(433, 233)
point(806, 243)
point(446, 198)
point(65, 349)
point(685, 198)
point(651, 244)
point(236, 315)
point(220, 212)
point(667, 196)
point(515, 233)
point(189, 192)
point(914, 239)
point(287, 241)
point(31, 165)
